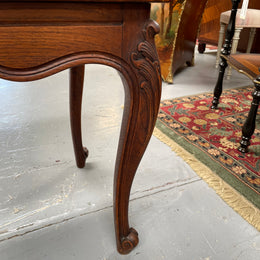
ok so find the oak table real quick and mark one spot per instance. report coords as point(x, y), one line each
point(40, 38)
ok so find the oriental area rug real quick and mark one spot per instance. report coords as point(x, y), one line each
point(208, 140)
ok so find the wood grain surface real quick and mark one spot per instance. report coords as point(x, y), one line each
point(40, 38)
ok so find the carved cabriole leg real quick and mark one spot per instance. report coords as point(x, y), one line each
point(142, 82)
point(76, 89)
point(249, 125)
point(225, 53)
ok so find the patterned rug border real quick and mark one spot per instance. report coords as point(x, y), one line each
point(233, 198)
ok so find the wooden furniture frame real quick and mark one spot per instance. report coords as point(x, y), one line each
point(40, 38)
point(249, 64)
point(186, 35)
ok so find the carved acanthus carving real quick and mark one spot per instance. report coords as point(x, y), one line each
point(146, 59)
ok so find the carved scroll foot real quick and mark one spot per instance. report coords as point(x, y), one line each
point(76, 89)
point(142, 82)
point(130, 242)
point(85, 152)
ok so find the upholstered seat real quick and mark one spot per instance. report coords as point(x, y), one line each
point(252, 18)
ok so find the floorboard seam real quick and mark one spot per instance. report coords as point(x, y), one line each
point(95, 211)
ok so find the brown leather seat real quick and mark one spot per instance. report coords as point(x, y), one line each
point(248, 64)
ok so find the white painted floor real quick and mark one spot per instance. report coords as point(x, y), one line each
point(50, 209)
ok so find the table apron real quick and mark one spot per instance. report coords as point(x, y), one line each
point(38, 12)
point(24, 47)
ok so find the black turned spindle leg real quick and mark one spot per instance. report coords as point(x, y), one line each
point(249, 125)
point(219, 84)
point(225, 53)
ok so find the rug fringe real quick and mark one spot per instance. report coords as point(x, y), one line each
point(235, 200)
